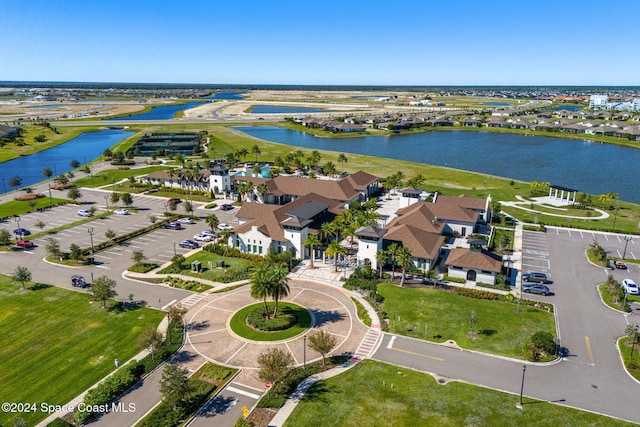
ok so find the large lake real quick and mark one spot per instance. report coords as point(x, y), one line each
point(587, 166)
point(165, 112)
point(83, 148)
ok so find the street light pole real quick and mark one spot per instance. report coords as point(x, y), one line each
point(106, 200)
point(635, 335)
point(305, 351)
point(174, 249)
point(90, 231)
point(524, 369)
point(626, 242)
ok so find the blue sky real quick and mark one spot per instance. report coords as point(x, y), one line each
point(422, 42)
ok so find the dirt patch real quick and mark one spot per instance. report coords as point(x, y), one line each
point(261, 417)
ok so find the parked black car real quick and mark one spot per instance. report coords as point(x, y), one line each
point(78, 281)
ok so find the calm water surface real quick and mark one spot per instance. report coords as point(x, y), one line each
point(84, 148)
point(165, 112)
point(584, 165)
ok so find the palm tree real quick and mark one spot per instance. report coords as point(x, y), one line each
point(381, 259)
point(312, 241)
point(224, 235)
point(405, 259)
point(212, 221)
point(242, 152)
point(329, 168)
point(256, 150)
point(256, 170)
point(342, 158)
point(263, 190)
point(278, 286)
point(329, 229)
point(260, 284)
point(392, 250)
point(334, 249)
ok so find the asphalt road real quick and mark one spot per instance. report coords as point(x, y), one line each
point(590, 377)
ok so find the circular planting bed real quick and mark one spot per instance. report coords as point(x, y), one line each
point(251, 323)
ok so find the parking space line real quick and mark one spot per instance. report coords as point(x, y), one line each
point(618, 237)
point(581, 235)
point(103, 266)
point(593, 235)
point(101, 256)
point(606, 237)
point(633, 255)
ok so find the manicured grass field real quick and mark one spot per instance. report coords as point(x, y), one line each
point(231, 265)
point(377, 394)
point(499, 329)
point(55, 343)
point(239, 325)
point(114, 175)
point(20, 207)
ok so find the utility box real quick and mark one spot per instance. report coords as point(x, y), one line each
point(196, 266)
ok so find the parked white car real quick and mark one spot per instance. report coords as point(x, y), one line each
point(121, 212)
point(630, 287)
point(84, 212)
point(202, 238)
point(224, 226)
point(186, 221)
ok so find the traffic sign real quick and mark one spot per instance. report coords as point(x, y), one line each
point(267, 385)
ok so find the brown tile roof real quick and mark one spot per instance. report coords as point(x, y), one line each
point(464, 257)
point(361, 180)
point(418, 215)
point(422, 244)
point(298, 186)
point(268, 218)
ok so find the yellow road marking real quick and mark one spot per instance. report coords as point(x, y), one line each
point(439, 359)
point(586, 340)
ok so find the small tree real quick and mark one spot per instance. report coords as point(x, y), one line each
point(103, 289)
point(110, 234)
point(74, 164)
point(212, 222)
point(151, 340)
point(175, 386)
point(176, 314)
point(138, 256)
point(544, 342)
point(312, 241)
point(5, 237)
point(152, 219)
point(127, 199)
point(274, 364)
point(16, 181)
point(322, 342)
point(74, 194)
point(173, 206)
point(22, 275)
point(52, 246)
point(115, 197)
point(473, 321)
point(188, 207)
point(74, 252)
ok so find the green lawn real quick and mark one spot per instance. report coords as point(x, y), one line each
point(631, 363)
point(232, 265)
point(376, 394)
point(238, 323)
point(500, 330)
point(114, 175)
point(55, 343)
point(20, 207)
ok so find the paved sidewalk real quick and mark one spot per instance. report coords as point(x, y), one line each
point(285, 412)
point(162, 328)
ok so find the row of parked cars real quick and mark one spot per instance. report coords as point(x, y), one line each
point(535, 283)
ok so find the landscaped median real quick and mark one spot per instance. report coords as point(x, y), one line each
point(251, 323)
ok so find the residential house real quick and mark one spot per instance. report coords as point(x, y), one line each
point(474, 264)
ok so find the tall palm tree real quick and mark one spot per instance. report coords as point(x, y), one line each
point(312, 241)
point(261, 284)
point(212, 221)
point(334, 249)
point(256, 150)
point(392, 250)
point(256, 170)
point(381, 259)
point(342, 158)
point(263, 190)
point(248, 188)
point(405, 259)
point(243, 152)
point(329, 229)
point(279, 286)
point(329, 168)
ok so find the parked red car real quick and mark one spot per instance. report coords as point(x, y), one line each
point(24, 244)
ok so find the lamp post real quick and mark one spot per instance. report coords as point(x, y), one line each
point(92, 278)
point(90, 231)
point(174, 249)
point(524, 369)
point(626, 242)
point(106, 200)
point(166, 205)
point(50, 199)
point(305, 351)
point(17, 219)
point(633, 344)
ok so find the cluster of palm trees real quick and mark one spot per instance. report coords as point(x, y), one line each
point(398, 179)
point(269, 281)
point(343, 226)
point(398, 256)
